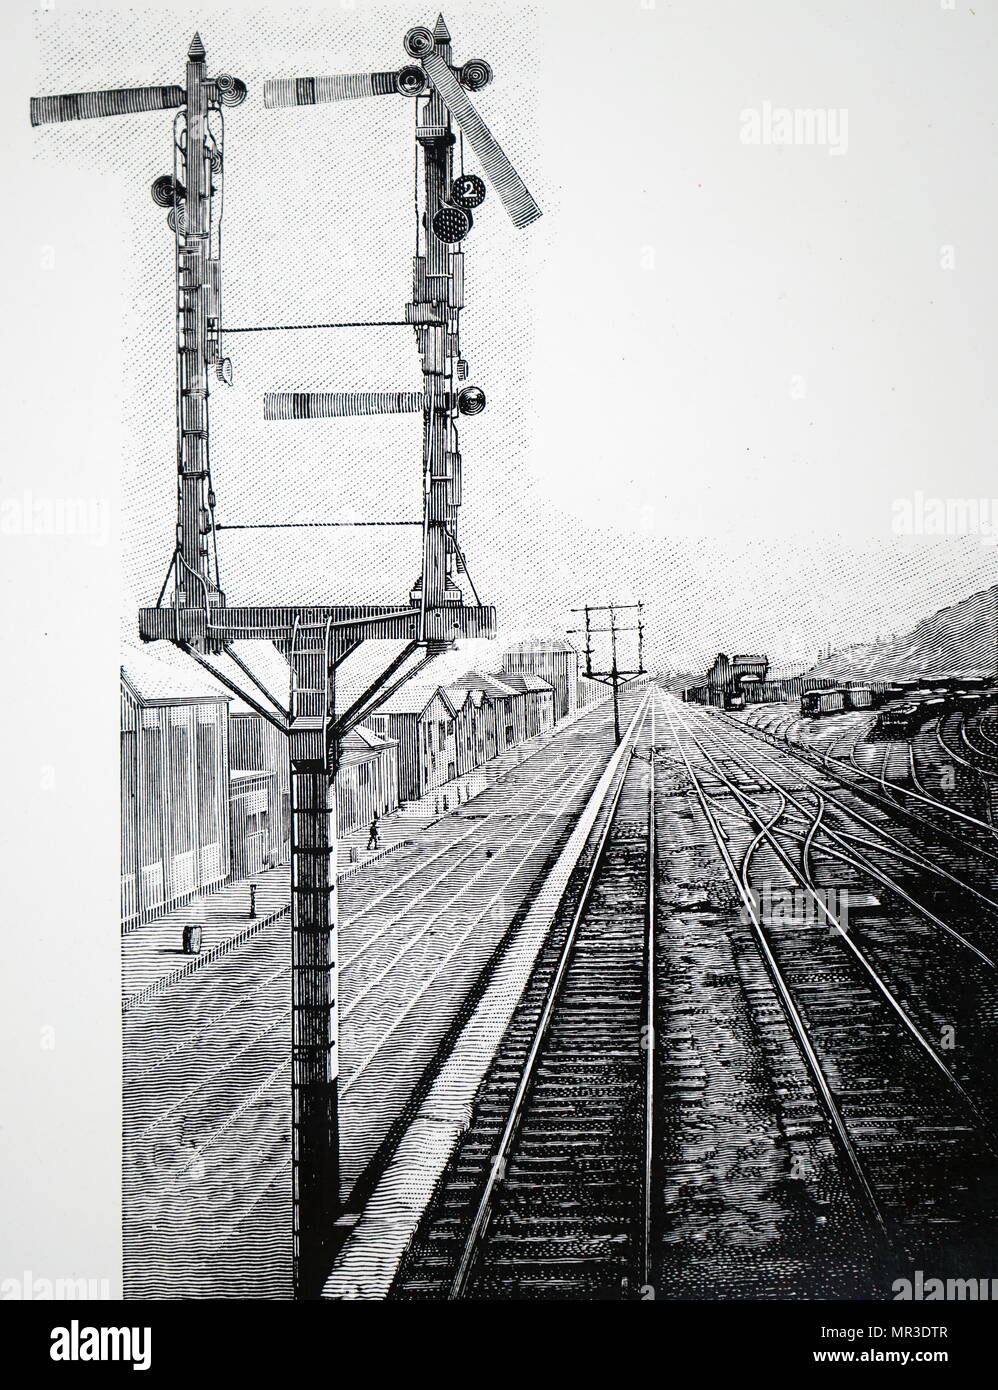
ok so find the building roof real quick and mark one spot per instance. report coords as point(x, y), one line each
point(363, 737)
point(459, 695)
point(491, 686)
point(546, 646)
point(413, 698)
point(524, 680)
point(158, 673)
point(752, 656)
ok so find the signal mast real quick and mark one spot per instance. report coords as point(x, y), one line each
point(436, 614)
point(193, 195)
point(446, 218)
point(316, 638)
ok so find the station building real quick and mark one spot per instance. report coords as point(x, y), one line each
point(734, 675)
point(259, 793)
point(500, 710)
point(469, 726)
point(174, 782)
point(422, 722)
point(205, 780)
point(556, 661)
point(367, 779)
point(537, 702)
point(205, 784)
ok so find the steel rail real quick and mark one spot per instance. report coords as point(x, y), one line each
point(863, 863)
point(648, 1027)
point(974, 748)
point(812, 757)
point(839, 1130)
point(483, 1210)
point(880, 985)
point(891, 844)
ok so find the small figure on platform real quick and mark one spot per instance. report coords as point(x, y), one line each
point(374, 838)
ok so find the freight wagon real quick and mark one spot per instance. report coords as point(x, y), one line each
point(814, 703)
point(900, 722)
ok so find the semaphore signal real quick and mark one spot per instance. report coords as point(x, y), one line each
point(317, 638)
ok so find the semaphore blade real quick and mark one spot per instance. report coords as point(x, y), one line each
point(325, 405)
point(123, 101)
point(505, 180)
point(310, 91)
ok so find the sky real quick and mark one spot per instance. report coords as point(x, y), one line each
point(714, 368)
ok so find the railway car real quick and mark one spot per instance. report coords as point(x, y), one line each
point(969, 702)
point(859, 697)
point(815, 703)
point(900, 722)
point(934, 708)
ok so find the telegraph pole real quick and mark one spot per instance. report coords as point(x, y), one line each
point(614, 673)
point(616, 676)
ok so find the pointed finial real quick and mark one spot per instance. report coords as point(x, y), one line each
point(196, 51)
point(441, 33)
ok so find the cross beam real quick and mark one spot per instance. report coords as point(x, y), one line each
point(617, 675)
point(212, 629)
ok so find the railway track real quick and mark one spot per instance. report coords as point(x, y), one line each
point(945, 822)
point(559, 1189)
point(553, 1192)
point(916, 1139)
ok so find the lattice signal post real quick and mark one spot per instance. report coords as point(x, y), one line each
point(317, 638)
point(618, 674)
point(193, 194)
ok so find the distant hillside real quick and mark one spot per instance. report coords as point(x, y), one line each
point(677, 681)
point(961, 640)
